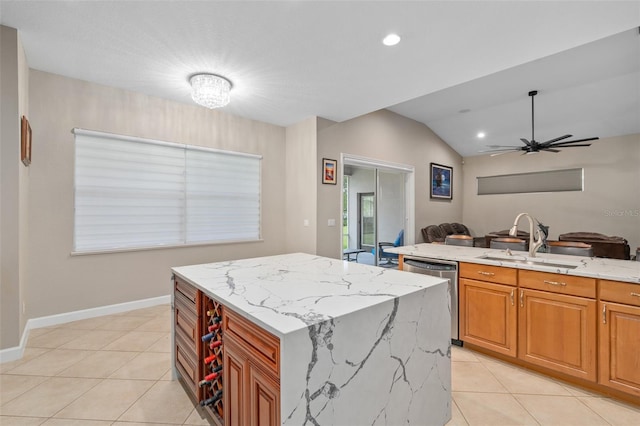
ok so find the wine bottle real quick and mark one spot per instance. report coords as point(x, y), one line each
point(210, 358)
point(215, 344)
point(209, 378)
point(214, 318)
point(210, 336)
point(215, 369)
point(214, 327)
point(215, 398)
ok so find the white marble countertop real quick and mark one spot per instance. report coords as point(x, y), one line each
point(286, 293)
point(593, 267)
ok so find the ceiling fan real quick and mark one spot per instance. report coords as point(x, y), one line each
point(532, 146)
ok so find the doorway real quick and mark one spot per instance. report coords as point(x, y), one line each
point(377, 207)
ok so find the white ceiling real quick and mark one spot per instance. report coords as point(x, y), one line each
point(291, 60)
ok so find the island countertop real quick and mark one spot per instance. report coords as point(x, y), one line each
point(358, 344)
point(290, 292)
point(592, 267)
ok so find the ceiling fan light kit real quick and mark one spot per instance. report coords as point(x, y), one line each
point(533, 146)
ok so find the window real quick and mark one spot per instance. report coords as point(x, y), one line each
point(140, 193)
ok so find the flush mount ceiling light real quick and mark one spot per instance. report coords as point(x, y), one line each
point(391, 40)
point(210, 90)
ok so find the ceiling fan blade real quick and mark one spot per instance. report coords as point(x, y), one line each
point(501, 149)
point(555, 140)
point(568, 146)
point(550, 150)
point(576, 141)
point(505, 152)
point(504, 146)
point(526, 142)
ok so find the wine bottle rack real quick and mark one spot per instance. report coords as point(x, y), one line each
point(211, 310)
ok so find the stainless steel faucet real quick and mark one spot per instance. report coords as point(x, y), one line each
point(535, 239)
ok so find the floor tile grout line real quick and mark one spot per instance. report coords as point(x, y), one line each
point(593, 411)
point(453, 402)
point(513, 396)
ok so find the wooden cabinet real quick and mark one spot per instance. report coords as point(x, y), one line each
point(619, 327)
point(187, 315)
point(488, 312)
point(251, 373)
point(557, 326)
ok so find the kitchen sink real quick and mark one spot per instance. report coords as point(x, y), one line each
point(530, 261)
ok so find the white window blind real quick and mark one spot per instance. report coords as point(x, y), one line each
point(137, 193)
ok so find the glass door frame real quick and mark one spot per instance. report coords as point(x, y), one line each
point(409, 190)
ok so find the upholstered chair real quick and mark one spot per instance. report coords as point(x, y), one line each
point(459, 240)
point(515, 244)
point(573, 248)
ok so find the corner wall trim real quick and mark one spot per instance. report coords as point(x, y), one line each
point(16, 352)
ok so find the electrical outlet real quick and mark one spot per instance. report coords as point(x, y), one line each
point(331, 222)
point(306, 222)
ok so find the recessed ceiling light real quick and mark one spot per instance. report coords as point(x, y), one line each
point(391, 40)
point(481, 135)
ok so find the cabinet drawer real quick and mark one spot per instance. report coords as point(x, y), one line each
point(616, 291)
point(186, 365)
point(494, 274)
point(186, 322)
point(262, 345)
point(185, 303)
point(558, 283)
point(189, 291)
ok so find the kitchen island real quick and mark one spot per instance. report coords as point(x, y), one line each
point(333, 342)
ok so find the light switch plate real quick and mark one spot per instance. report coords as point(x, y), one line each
point(331, 222)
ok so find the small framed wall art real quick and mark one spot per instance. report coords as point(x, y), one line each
point(329, 171)
point(25, 141)
point(441, 181)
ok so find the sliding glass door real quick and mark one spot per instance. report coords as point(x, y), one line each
point(374, 207)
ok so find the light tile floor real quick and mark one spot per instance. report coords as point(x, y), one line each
point(115, 370)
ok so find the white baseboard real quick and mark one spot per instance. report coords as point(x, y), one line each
point(16, 352)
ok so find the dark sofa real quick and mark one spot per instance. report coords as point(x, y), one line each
point(438, 233)
point(603, 245)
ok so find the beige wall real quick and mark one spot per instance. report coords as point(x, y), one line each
point(59, 282)
point(387, 136)
point(609, 204)
point(14, 186)
point(301, 198)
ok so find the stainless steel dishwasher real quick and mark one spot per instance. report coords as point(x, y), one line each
point(444, 269)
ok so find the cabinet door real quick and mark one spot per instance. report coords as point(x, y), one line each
point(264, 399)
point(558, 332)
point(620, 347)
point(488, 315)
point(234, 379)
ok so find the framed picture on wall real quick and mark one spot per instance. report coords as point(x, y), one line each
point(329, 172)
point(25, 141)
point(441, 181)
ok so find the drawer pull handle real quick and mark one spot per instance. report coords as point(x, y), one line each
point(604, 314)
point(488, 274)
point(512, 297)
point(555, 283)
point(522, 298)
point(635, 294)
